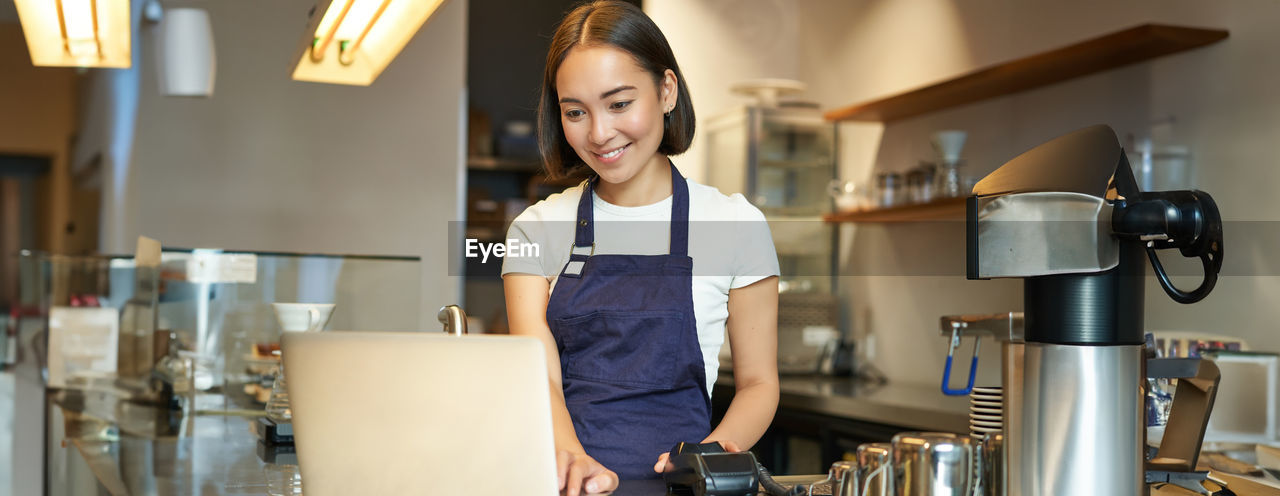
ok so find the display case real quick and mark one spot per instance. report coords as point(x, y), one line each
point(783, 159)
point(216, 303)
point(220, 302)
point(132, 349)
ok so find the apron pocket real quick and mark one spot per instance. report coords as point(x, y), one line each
point(635, 349)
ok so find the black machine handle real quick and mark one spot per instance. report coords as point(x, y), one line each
point(1206, 285)
point(1186, 220)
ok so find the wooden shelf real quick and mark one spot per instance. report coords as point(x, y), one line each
point(944, 209)
point(1110, 51)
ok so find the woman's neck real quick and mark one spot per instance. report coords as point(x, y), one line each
point(651, 185)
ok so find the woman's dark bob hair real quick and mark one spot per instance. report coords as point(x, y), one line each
point(623, 26)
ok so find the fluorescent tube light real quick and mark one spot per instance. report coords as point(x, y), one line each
point(353, 41)
point(80, 33)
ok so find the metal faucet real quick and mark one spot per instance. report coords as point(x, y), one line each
point(454, 319)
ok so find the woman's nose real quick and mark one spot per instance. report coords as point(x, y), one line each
point(601, 130)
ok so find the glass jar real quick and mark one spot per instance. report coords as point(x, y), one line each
point(889, 189)
point(927, 190)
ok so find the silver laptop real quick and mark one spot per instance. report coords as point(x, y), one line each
point(420, 413)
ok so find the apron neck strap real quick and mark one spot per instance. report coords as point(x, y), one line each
point(585, 236)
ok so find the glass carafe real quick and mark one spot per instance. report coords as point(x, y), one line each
point(950, 183)
point(293, 317)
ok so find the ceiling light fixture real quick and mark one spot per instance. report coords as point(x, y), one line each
point(352, 41)
point(77, 33)
point(185, 58)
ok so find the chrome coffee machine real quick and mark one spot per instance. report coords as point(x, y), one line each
point(1069, 219)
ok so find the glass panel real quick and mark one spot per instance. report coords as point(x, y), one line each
point(795, 165)
point(220, 303)
point(783, 161)
point(217, 304)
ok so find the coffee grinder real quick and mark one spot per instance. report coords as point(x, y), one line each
point(1068, 218)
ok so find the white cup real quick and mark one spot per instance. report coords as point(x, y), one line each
point(847, 194)
point(303, 316)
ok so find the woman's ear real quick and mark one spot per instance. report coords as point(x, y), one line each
point(670, 90)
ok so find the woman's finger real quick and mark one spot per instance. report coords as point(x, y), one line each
point(602, 482)
point(563, 458)
point(577, 469)
point(730, 446)
point(662, 462)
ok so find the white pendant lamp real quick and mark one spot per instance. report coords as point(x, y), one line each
point(76, 33)
point(352, 41)
point(185, 58)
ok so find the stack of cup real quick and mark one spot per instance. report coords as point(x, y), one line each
point(985, 411)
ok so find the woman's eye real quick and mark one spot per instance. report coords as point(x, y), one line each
point(619, 105)
point(574, 113)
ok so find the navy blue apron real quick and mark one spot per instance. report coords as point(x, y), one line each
point(630, 361)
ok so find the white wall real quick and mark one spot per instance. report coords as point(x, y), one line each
point(274, 164)
point(1217, 97)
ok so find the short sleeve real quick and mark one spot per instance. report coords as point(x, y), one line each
point(525, 231)
point(755, 258)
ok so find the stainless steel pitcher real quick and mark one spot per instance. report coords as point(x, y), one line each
point(874, 475)
point(934, 464)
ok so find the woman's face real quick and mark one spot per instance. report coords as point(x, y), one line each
point(611, 110)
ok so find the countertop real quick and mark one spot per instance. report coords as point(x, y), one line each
point(904, 405)
point(222, 456)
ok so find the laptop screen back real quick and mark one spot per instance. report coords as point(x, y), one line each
point(419, 413)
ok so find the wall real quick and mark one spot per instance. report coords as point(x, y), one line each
point(38, 105)
point(274, 164)
point(900, 278)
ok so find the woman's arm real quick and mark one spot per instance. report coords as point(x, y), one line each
point(527, 297)
point(753, 337)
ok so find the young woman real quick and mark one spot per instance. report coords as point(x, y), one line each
point(640, 272)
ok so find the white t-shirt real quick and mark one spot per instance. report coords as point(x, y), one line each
point(729, 241)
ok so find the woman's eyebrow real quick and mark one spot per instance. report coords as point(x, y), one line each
point(604, 95)
point(609, 93)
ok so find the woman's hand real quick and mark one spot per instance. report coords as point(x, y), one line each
point(577, 473)
point(729, 446)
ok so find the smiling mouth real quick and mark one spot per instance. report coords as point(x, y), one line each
point(614, 154)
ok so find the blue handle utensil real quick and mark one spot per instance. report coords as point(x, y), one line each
point(973, 367)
